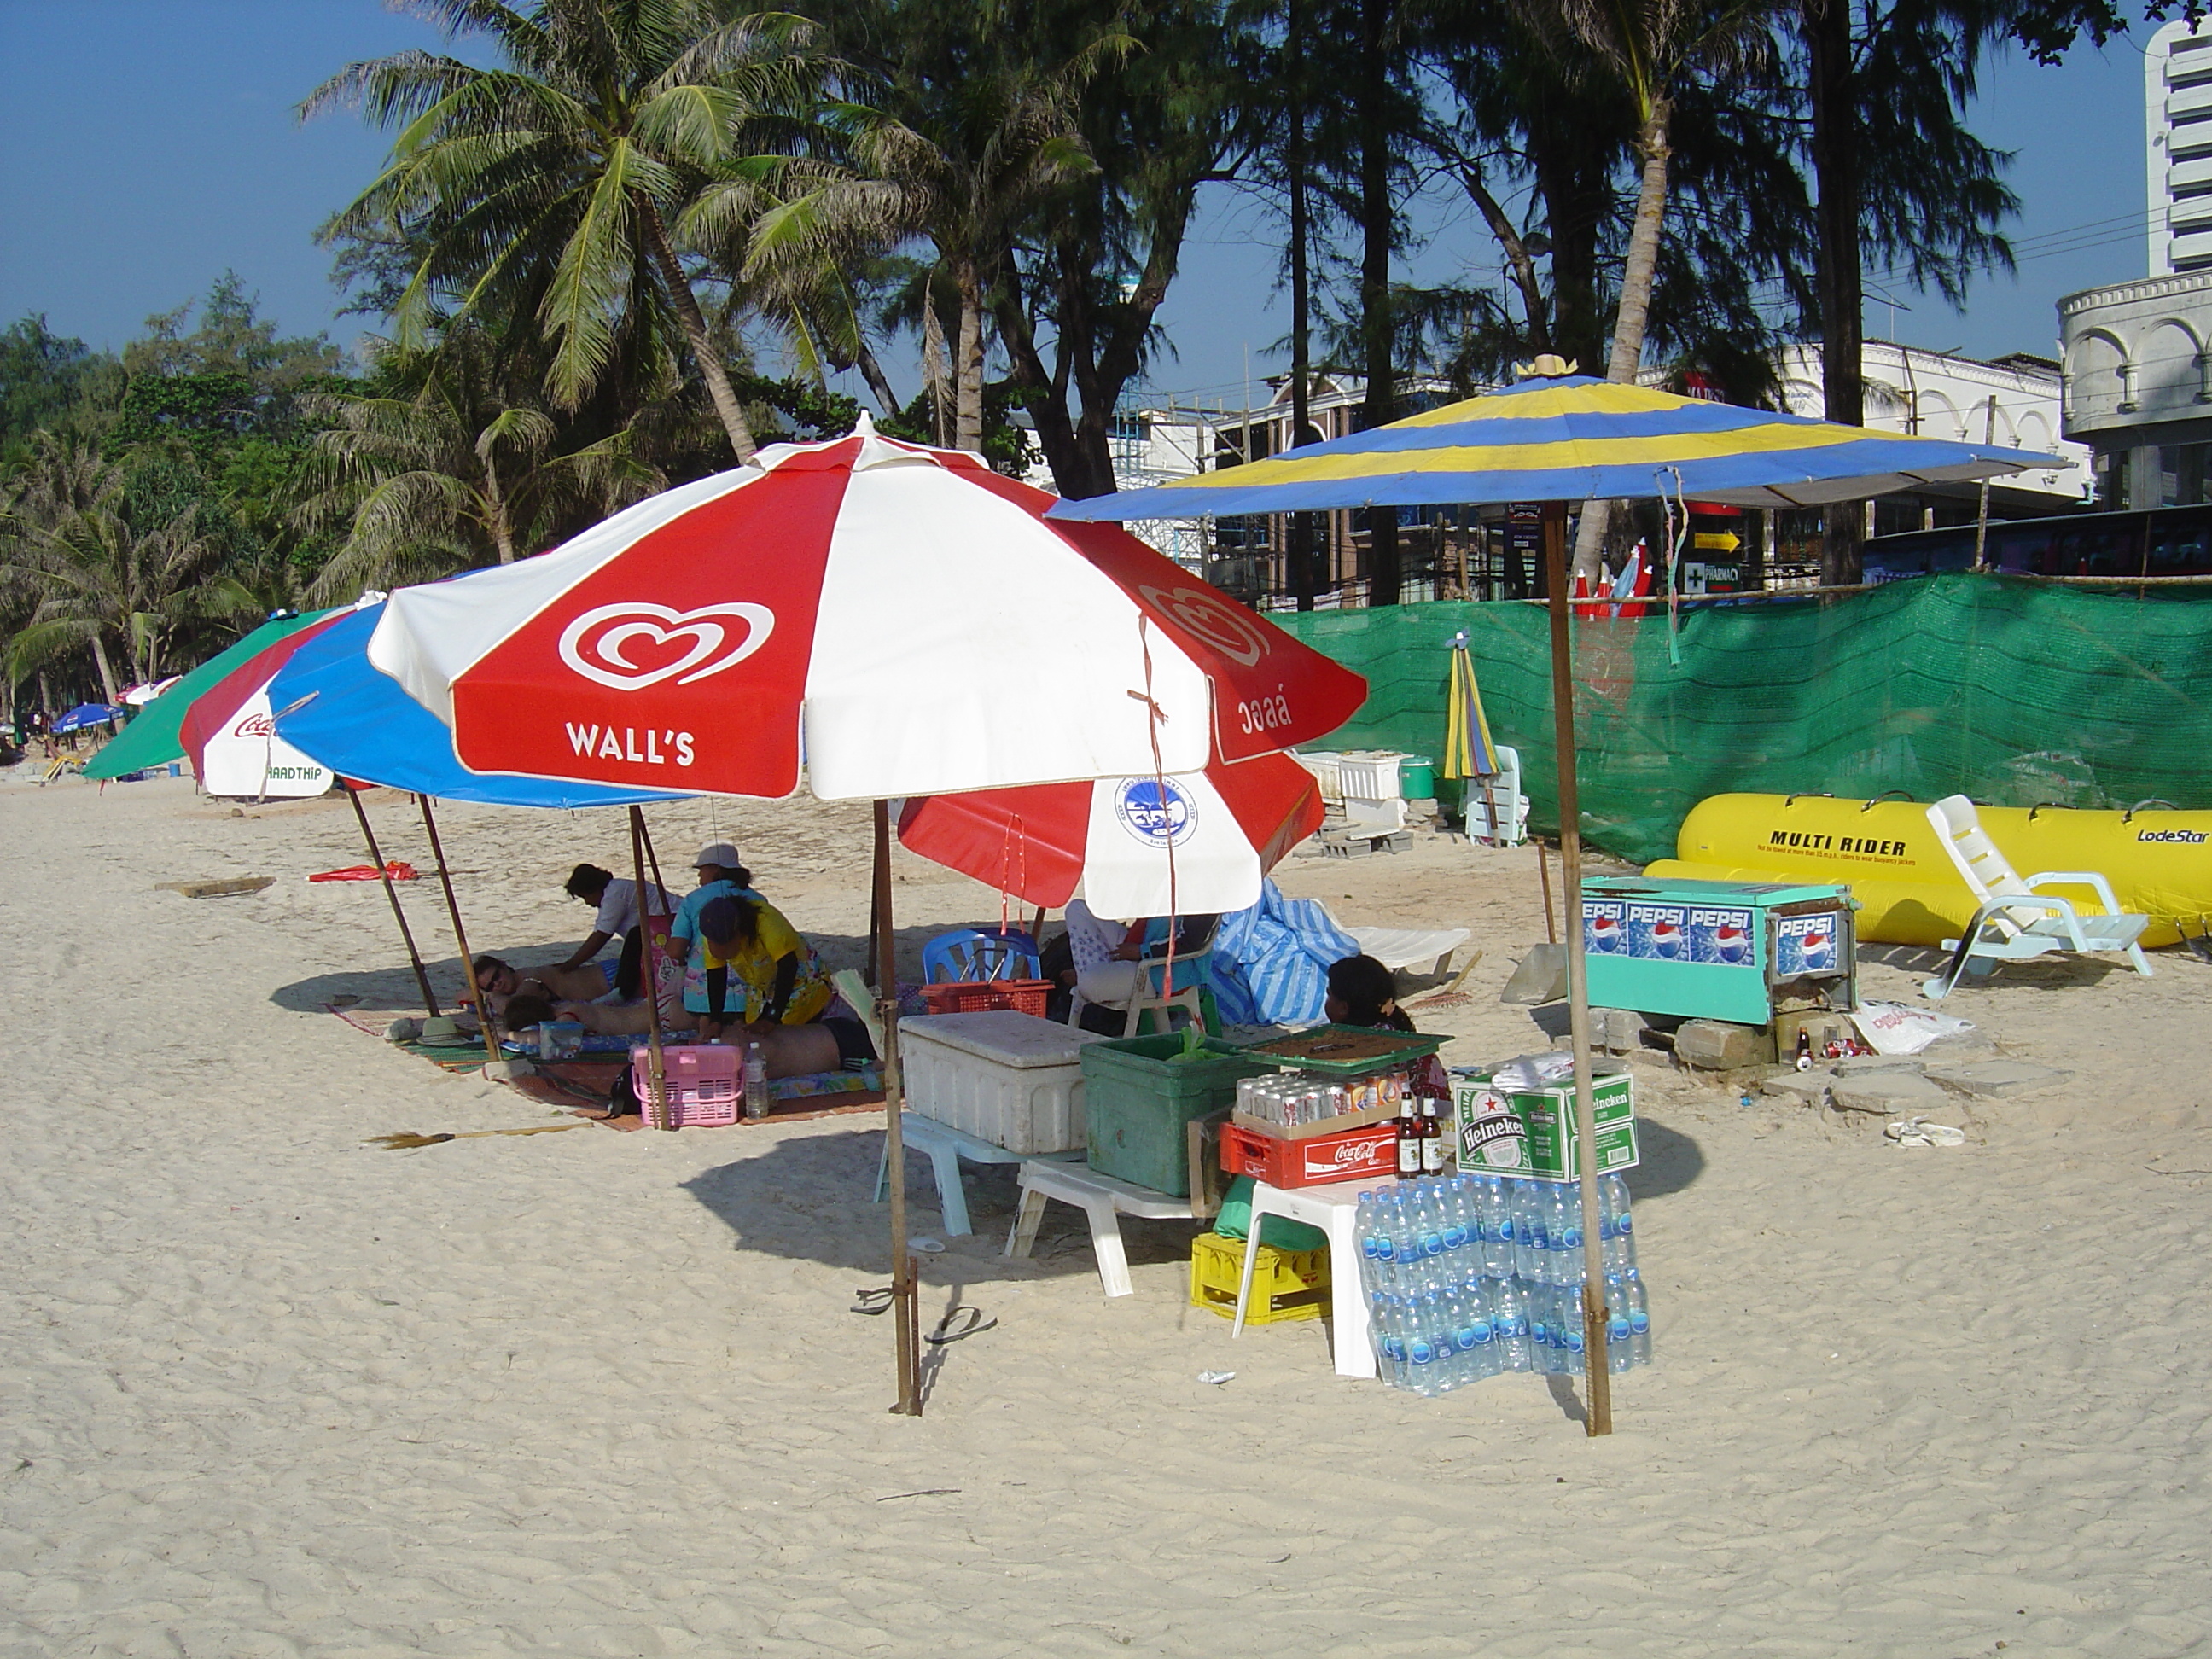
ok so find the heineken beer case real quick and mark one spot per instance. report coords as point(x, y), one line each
point(1531, 1133)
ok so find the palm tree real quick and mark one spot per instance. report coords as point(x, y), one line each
point(447, 469)
point(966, 160)
point(98, 578)
point(1647, 47)
point(550, 184)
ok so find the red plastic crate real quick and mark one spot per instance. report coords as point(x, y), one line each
point(1352, 1155)
point(705, 1084)
point(1023, 996)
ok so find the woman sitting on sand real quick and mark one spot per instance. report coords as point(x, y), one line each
point(763, 984)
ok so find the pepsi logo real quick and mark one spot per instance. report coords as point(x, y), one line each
point(1731, 944)
point(1603, 934)
point(1210, 619)
point(1156, 812)
point(1667, 938)
point(601, 644)
point(254, 726)
point(1819, 948)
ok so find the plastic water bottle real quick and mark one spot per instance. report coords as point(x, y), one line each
point(756, 1081)
point(1619, 1234)
point(1565, 1241)
point(1477, 1334)
point(1619, 1350)
point(1531, 1233)
point(1497, 1260)
point(1509, 1320)
point(1639, 1319)
point(1543, 1348)
point(1422, 1370)
point(1567, 1320)
point(1425, 1209)
point(1389, 1335)
point(1456, 1198)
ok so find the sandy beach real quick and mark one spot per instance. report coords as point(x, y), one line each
point(273, 1390)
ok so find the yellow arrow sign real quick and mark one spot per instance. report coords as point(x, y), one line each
point(1717, 541)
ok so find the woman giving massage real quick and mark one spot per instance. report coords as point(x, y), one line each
point(757, 980)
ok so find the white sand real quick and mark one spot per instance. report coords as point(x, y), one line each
point(271, 1391)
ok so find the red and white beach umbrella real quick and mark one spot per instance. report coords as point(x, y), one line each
point(1228, 826)
point(231, 736)
point(899, 621)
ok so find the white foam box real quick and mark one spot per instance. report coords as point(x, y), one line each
point(1007, 1077)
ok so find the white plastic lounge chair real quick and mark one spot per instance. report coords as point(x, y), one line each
point(1428, 950)
point(2015, 920)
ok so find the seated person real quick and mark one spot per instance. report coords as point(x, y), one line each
point(615, 898)
point(501, 983)
point(720, 876)
point(1105, 957)
point(1362, 991)
point(761, 983)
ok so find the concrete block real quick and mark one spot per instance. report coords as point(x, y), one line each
point(1616, 1031)
point(1806, 1088)
point(1887, 1094)
point(1865, 1064)
point(1995, 1079)
point(1713, 1045)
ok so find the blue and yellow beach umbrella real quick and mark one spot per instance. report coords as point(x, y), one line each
point(1571, 438)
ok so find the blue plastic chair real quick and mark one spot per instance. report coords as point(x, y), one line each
point(967, 957)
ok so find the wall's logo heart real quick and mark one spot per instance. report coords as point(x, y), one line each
point(1212, 619)
point(596, 645)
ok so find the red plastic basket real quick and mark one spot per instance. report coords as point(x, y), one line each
point(705, 1084)
point(1352, 1155)
point(1023, 996)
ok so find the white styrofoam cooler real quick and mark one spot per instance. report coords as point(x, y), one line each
point(1007, 1077)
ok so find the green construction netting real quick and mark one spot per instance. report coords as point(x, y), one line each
point(154, 736)
point(2013, 692)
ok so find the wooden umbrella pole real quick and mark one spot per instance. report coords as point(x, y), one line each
point(905, 1293)
point(376, 857)
point(485, 1019)
point(1598, 1420)
point(648, 962)
point(1544, 875)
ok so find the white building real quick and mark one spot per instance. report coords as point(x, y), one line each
point(2178, 122)
point(2015, 401)
point(2139, 386)
point(1150, 446)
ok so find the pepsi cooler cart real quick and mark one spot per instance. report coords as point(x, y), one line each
point(1739, 951)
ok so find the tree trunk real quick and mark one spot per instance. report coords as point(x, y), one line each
point(967, 366)
point(1635, 314)
point(936, 373)
point(495, 516)
point(107, 673)
point(1301, 572)
point(1377, 219)
point(879, 385)
point(711, 366)
point(1838, 177)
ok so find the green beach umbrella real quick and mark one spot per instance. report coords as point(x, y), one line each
point(156, 736)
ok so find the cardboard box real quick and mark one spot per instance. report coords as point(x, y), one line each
point(1328, 1125)
point(1531, 1135)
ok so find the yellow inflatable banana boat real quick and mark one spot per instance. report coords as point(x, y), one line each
point(2160, 863)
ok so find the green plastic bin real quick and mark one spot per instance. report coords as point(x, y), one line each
point(1138, 1103)
point(1417, 778)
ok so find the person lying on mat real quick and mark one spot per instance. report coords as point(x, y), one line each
point(614, 899)
point(1362, 991)
point(501, 983)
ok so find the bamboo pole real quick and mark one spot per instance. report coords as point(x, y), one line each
point(649, 965)
point(485, 1020)
point(1598, 1418)
point(406, 934)
point(1544, 875)
point(904, 1291)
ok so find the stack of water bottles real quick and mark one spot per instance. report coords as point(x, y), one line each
point(1470, 1276)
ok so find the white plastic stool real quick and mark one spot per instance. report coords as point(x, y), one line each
point(1334, 1209)
point(1100, 1197)
point(944, 1149)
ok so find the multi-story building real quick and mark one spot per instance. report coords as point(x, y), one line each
point(2178, 137)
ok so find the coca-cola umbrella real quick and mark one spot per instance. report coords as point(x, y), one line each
point(1226, 826)
point(229, 732)
point(874, 618)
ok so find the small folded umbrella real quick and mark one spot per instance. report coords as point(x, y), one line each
point(1228, 826)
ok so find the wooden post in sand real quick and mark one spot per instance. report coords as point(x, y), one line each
point(1598, 1420)
point(648, 968)
point(905, 1293)
point(484, 1018)
point(376, 857)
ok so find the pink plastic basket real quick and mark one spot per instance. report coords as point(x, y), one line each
point(705, 1084)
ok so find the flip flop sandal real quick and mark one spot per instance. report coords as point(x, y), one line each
point(874, 1300)
point(975, 1322)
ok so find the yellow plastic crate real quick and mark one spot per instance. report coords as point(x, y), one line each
point(1285, 1284)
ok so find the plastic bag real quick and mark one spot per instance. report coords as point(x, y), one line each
point(1897, 1028)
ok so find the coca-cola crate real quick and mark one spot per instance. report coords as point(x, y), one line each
point(1023, 996)
point(1353, 1155)
point(704, 1082)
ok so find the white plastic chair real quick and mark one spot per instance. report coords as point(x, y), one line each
point(2014, 921)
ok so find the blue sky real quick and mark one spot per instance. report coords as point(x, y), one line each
point(151, 144)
